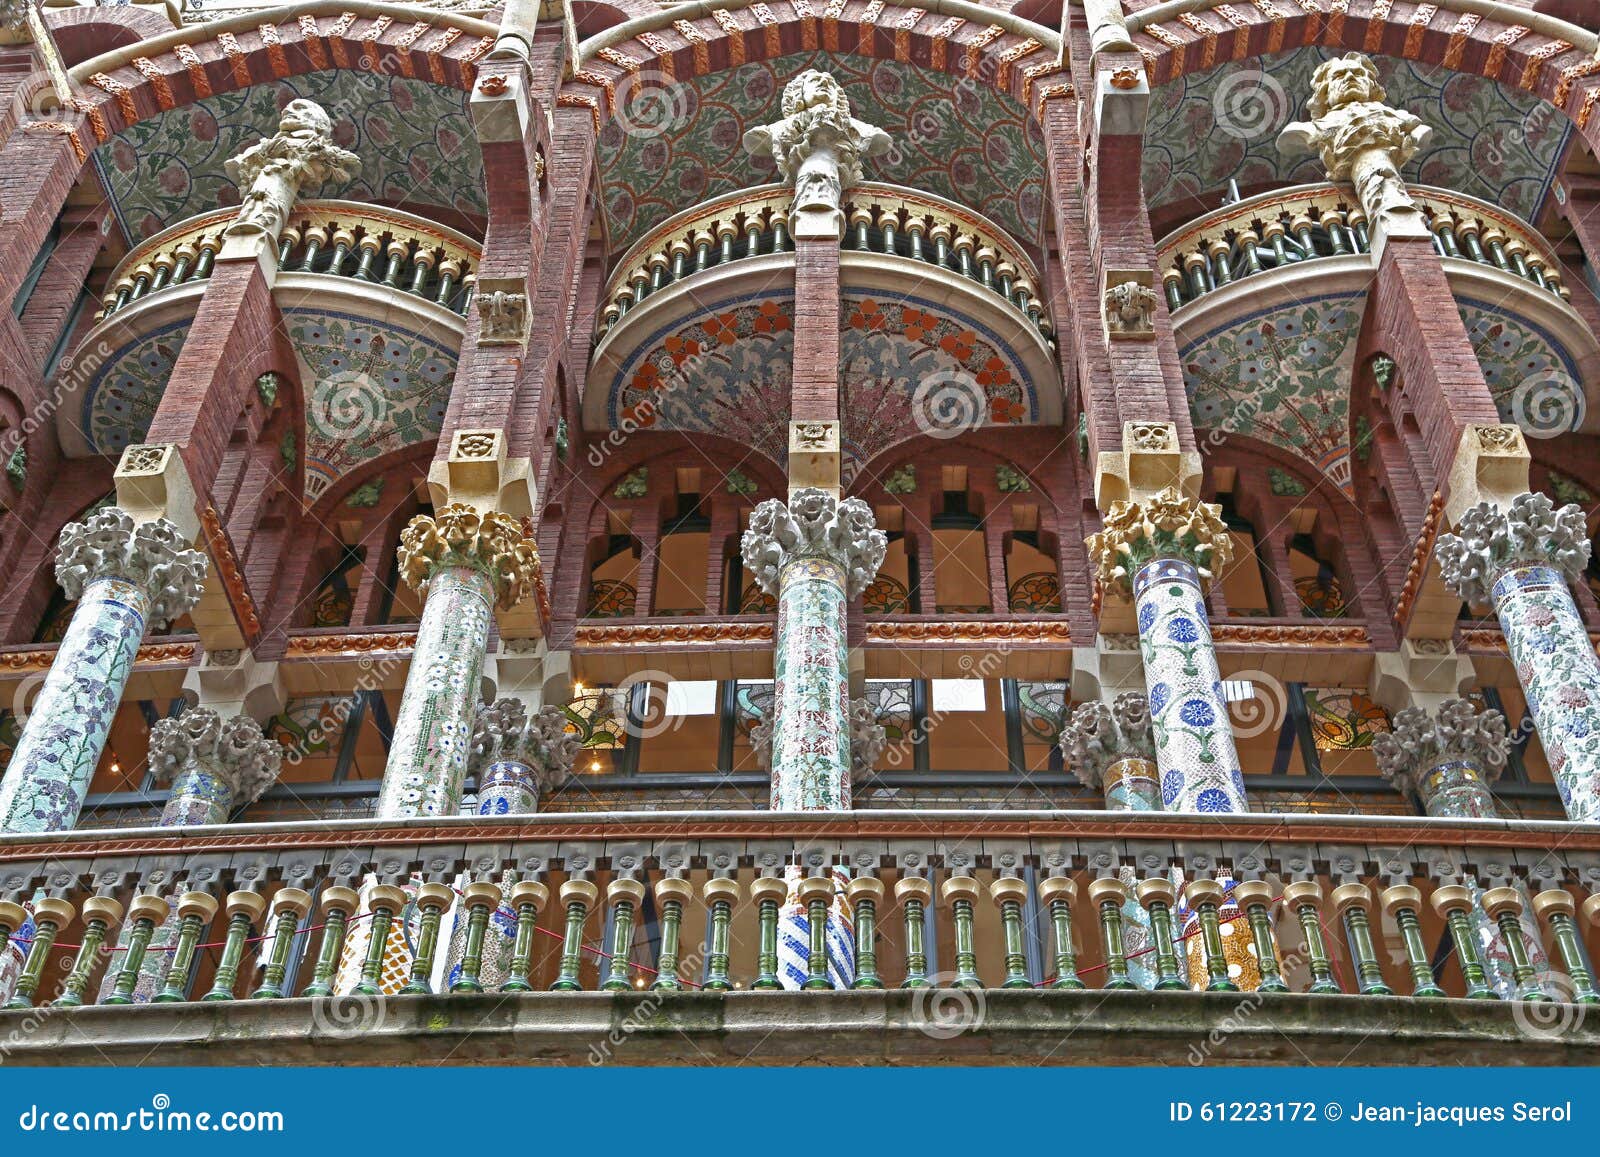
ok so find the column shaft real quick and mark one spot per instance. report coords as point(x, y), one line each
point(811, 708)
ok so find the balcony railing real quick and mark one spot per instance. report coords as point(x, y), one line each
point(338, 238)
point(1293, 226)
point(880, 218)
point(1317, 904)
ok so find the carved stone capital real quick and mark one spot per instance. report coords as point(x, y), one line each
point(814, 524)
point(818, 146)
point(232, 749)
point(458, 535)
point(1097, 735)
point(503, 731)
point(272, 173)
point(1488, 542)
point(1166, 526)
point(153, 555)
point(1458, 731)
point(867, 738)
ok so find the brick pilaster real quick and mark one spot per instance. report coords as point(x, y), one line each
point(814, 393)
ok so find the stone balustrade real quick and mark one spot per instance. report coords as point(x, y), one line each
point(337, 238)
point(1292, 226)
point(880, 218)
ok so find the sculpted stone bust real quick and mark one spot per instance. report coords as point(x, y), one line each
point(272, 173)
point(1359, 138)
point(817, 145)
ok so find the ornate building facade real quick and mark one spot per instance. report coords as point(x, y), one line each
point(800, 530)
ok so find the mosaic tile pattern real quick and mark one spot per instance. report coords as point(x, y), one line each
point(415, 140)
point(1489, 141)
point(508, 788)
point(811, 738)
point(794, 933)
point(1512, 350)
point(120, 400)
point(960, 140)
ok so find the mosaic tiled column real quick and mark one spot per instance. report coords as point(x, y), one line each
point(125, 578)
point(814, 553)
point(1521, 561)
point(465, 564)
point(516, 756)
point(1448, 760)
point(1162, 552)
point(214, 765)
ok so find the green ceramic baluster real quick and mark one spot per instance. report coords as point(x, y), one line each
point(1206, 896)
point(1254, 898)
point(50, 916)
point(100, 913)
point(768, 892)
point(335, 906)
point(1453, 902)
point(289, 907)
point(624, 896)
point(959, 892)
point(195, 913)
point(1351, 902)
point(1305, 897)
point(1108, 895)
point(865, 894)
point(433, 900)
point(385, 902)
point(1555, 906)
point(528, 898)
point(578, 896)
point(671, 895)
point(144, 914)
point(1504, 906)
point(914, 893)
point(1058, 894)
point(1009, 893)
point(12, 917)
point(721, 894)
point(1402, 902)
point(481, 900)
point(1157, 895)
point(244, 912)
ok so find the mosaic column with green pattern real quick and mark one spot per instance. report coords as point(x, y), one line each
point(127, 577)
point(814, 553)
point(214, 764)
point(465, 564)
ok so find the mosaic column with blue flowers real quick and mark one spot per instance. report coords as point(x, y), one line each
point(466, 563)
point(214, 764)
point(1163, 551)
point(126, 577)
point(814, 553)
point(517, 756)
point(1520, 561)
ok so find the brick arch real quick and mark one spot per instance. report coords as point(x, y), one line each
point(83, 33)
point(120, 88)
point(1017, 65)
point(1513, 55)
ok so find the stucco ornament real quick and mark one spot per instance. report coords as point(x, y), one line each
point(233, 750)
point(1421, 741)
point(457, 535)
point(818, 146)
point(14, 16)
point(1359, 138)
point(867, 738)
point(504, 731)
point(1098, 735)
point(1166, 526)
point(814, 524)
point(1488, 542)
point(272, 173)
point(1130, 308)
point(152, 555)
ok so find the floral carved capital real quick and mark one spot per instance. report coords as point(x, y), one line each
point(504, 731)
point(814, 524)
point(1098, 735)
point(457, 535)
point(1488, 542)
point(868, 738)
point(232, 749)
point(1166, 526)
point(152, 555)
point(1459, 731)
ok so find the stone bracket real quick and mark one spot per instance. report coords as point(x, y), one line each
point(1128, 305)
point(1491, 465)
point(1423, 673)
point(233, 682)
point(528, 670)
point(1149, 462)
point(503, 314)
point(1121, 102)
point(152, 482)
point(1113, 665)
point(815, 456)
point(479, 472)
point(502, 109)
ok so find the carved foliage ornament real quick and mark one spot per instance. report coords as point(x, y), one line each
point(1459, 731)
point(814, 524)
point(1130, 308)
point(1166, 526)
point(233, 750)
point(504, 731)
point(503, 317)
point(272, 173)
point(1097, 735)
point(457, 535)
point(1533, 533)
point(867, 738)
point(153, 555)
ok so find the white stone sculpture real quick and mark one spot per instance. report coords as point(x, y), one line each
point(272, 173)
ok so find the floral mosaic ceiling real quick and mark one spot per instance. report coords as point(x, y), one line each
point(415, 140)
point(962, 141)
point(728, 372)
point(1489, 141)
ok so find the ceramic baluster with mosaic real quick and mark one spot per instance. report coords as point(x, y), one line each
point(1520, 561)
point(1556, 908)
point(396, 933)
point(16, 922)
point(795, 934)
point(50, 915)
point(1162, 551)
point(214, 764)
point(518, 755)
point(1229, 955)
point(126, 578)
point(499, 936)
point(814, 553)
point(465, 564)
